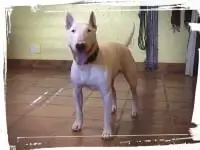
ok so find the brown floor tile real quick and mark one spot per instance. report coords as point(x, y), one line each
point(97, 113)
point(63, 75)
point(148, 95)
point(10, 76)
point(120, 78)
point(29, 77)
point(180, 90)
point(149, 104)
point(178, 105)
point(94, 102)
point(150, 90)
point(69, 85)
point(78, 142)
point(179, 98)
point(34, 126)
point(40, 90)
point(179, 94)
point(177, 80)
point(96, 94)
point(98, 102)
point(153, 83)
point(52, 82)
point(17, 86)
point(182, 129)
point(67, 91)
point(24, 98)
point(93, 113)
point(12, 119)
point(90, 128)
point(150, 75)
point(60, 100)
point(121, 85)
point(139, 128)
point(148, 116)
point(19, 109)
point(181, 117)
point(53, 111)
point(121, 95)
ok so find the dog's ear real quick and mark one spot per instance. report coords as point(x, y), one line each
point(69, 21)
point(92, 20)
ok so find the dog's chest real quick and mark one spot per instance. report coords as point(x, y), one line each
point(89, 76)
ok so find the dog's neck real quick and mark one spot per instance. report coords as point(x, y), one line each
point(93, 55)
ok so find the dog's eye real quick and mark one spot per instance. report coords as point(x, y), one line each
point(73, 30)
point(89, 30)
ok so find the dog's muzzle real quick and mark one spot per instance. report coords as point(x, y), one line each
point(80, 46)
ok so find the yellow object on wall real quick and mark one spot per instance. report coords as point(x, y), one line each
point(45, 30)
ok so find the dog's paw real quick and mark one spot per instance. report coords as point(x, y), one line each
point(114, 109)
point(134, 114)
point(77, 126)
point(107, 134)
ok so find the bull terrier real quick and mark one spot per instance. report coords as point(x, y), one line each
point(95, 66)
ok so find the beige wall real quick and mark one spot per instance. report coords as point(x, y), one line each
point(46, 29)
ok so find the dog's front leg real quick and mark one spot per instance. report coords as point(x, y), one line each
point(107, 99)
point(78, 97)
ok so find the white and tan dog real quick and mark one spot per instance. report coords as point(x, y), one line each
point(95, 66)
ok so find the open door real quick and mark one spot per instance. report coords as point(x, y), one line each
point(196, 57)
point(191, 49)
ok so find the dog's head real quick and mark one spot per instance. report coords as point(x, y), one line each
point(81, 37)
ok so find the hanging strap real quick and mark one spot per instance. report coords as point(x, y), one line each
point(176, 19)
point(187, 17)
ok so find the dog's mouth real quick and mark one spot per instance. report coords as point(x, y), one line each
point(81, 57)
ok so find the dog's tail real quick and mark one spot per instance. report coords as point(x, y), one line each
point(131, 36)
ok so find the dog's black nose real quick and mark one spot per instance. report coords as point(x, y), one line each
point(80, 46)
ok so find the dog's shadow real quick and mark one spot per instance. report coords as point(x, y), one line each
point(154, 117)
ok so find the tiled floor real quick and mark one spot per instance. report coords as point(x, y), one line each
point(40, 105)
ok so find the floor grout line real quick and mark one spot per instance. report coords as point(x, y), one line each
point(169, 110)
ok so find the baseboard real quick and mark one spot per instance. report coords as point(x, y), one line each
point(66, 65)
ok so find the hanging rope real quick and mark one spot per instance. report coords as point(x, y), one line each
point(142, 38)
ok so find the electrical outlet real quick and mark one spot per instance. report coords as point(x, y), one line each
point(34, 49)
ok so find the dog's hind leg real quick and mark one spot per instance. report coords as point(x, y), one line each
point(131, 77)
point(114, 99)
point(134, 101)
